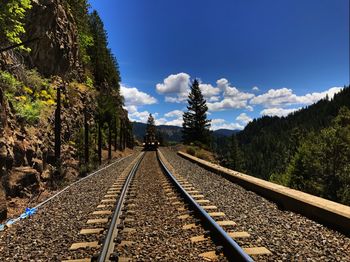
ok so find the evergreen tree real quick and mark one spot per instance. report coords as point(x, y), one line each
point(151, 127)
point(195, 122)
point(235, 159)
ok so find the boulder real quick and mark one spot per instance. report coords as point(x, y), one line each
point(20, 178)
point(3, 207)
point(38, 165)
point(47, 173)
point(19, 153)
point(3, 155)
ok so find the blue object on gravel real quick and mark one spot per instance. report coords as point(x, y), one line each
point(23, 216)
point(10, 222)
point(2, 227)
point(30, 211)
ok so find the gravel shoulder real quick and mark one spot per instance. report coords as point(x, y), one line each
point(289, 236)
point(49, 233)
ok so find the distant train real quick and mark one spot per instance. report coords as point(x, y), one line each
point(150, 143)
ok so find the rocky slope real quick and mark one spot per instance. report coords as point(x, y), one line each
point(27, 147)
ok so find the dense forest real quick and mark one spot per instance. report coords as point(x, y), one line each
point(307, 150)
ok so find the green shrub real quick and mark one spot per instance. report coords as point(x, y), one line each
point(9, 82)
point(29, 111)
point(202, 155)
point(35, 81)
point(191, 151)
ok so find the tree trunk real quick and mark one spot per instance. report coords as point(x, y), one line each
point(121, 135)
point(86, 137)
point(115, 138)
point(109, 142)
point(99, 150)
point(58, 129)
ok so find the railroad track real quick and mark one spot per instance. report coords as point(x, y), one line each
point(158, 215)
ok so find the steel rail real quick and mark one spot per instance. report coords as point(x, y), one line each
point(231, 249)
point(108, 244)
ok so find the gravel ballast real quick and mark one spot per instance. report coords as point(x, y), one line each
point(289, 236)
point(48, 235)
point(157, 229)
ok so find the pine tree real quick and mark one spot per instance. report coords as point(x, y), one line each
point(195, 122)
point(150, 129)
point(235, 158)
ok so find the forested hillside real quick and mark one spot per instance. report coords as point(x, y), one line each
point(59, 96)
point(307, 150)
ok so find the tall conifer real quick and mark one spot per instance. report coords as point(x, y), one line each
point(195, 122)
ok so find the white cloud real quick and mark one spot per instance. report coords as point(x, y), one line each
point(174, 113)
point(244, 118)
point(139, 116)
point(175, 122)
point(209, 92)
point(175, 87)
point(277, 111)
point(232, 97)
point(160, 121)
point(134, 97)
point(255, 88)
point(219, 123)
point(227, 103)
point(314, 97)
point(283, 97)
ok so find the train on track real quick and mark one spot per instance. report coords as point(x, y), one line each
point(150, 141)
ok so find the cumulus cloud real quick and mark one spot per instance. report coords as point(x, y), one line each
point(175, 87)
point(174, 113)
point(139, 116)
point(232, 97)
point(283, 97)
point(277, 111)
point(223, 96)
point(208, 91)
point(255, 88)
point(134, 97)
point(219, 123)
point(244, 118)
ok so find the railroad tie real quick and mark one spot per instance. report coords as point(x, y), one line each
point(97, 221)
point(254, 251)
point(238, 234)
point(79, 245)
point(102, 212)
point(90, 231)
point(189, 226)
point(78, 260)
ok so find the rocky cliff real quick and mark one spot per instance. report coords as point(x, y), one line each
point(27, 150)
point(56, 50)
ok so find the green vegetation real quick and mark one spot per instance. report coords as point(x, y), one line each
point(321, 164)
point(307, 150)
point(195, 122)
point(29, 98)
point(12, 13)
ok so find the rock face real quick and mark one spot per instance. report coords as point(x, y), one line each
point(3, 112)
point(22, 180)
point(56, 51)
point(3, 207)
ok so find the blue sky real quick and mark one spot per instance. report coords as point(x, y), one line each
point(254, 58)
